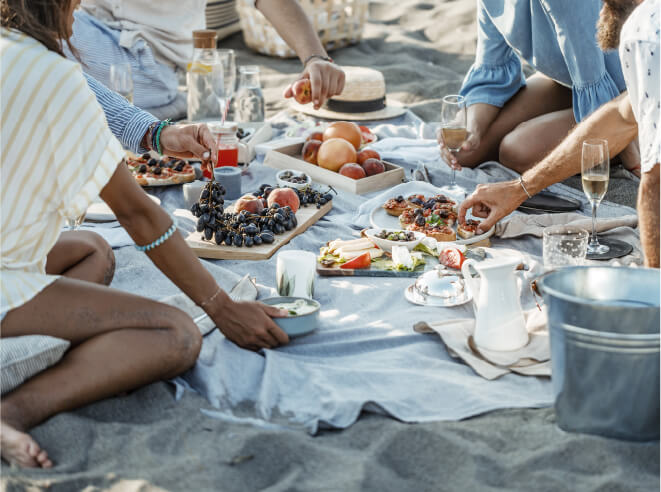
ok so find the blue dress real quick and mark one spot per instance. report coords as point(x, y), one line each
point(556, 37)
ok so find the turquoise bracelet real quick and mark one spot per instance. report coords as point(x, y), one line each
point(162, 125)
point(159, 241)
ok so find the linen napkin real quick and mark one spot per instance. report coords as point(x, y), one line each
point(521, 224)
point(112, 232)
point(531, 360)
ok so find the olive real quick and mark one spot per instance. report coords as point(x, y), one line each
point(418, 211)
point(146, 156)
point(420, 221)
point(142, 168)
point(208, 233)
point(152, 162)
point(156, 170)
point(179, 167)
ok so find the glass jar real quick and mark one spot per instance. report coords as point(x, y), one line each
point(228, 145)
point(201, 73)
point(249, 103)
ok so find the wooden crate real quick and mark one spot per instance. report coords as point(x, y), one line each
point(288, 157)
point(306, 216)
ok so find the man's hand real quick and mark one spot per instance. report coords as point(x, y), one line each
point(186, 141)
point(492, 202)
point(249, 324)
point(453, 160)
point(326, 78)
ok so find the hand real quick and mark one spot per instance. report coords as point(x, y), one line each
point(186, 141)
point(492, 202)
point(249, 324)
point(453, 159)
point(327, 80)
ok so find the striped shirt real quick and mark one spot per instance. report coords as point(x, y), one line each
point(56, 154)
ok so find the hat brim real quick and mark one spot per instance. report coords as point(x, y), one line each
point(393, 109)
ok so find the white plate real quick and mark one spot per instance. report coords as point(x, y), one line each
point(387, 245)
point(100, 212)
point(299, 186)
point(412, 295)
point(380, 219)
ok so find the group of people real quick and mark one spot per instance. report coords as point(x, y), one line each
point(55, 56)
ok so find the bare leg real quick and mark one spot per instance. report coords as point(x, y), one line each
point(540, 96)
point(83, 255)
point(648, 212)
point(119, 342)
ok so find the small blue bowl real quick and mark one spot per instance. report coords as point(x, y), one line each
point(296, 326)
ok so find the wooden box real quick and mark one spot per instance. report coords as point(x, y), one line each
point(289, 157)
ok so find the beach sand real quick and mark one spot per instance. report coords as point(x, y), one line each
point(147, 441)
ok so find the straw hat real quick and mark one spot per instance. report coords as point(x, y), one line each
point(363, 99)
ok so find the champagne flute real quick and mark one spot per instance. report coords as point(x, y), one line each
point(595, 171)
point(121, 80)
point(228, 61)
point(453, 131)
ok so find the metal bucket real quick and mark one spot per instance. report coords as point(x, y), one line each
point(604, 328)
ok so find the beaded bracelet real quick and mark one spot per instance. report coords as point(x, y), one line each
point(157, 139)
point(159, 241)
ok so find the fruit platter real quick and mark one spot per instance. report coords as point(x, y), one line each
point(256, 225)
point(338, 157)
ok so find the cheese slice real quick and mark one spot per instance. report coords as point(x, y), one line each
point(352, 245)
point(350, 255)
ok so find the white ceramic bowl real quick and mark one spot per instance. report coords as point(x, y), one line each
point(387, 245)
point(298, 186)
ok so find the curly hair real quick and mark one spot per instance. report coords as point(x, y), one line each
point(47, 21)
point(612, 17)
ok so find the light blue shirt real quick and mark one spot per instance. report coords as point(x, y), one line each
point(556, 37)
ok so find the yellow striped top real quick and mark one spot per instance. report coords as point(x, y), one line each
point(56, 154)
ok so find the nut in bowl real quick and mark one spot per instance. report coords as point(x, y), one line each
point(303, 314)
point(293, 179)
point(387, 238)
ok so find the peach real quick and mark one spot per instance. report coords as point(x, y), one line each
point(249, 203)
point(315, 136)
point(373, 166)
point(284, 197)
point(352, 170)
point(334, 153)
point(344, 129)
point(363, 155)
point(302, 90)
point(310, 150)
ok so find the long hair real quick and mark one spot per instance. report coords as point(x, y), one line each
point(612, 17)
point(47, 21)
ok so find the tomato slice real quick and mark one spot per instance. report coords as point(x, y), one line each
point(452, 258)
point(358, 263)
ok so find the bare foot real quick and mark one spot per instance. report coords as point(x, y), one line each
point(19, 448)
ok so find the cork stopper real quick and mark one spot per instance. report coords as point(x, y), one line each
point(204, 39)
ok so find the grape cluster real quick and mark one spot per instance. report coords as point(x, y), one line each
point(306, 196)
point(242, 229)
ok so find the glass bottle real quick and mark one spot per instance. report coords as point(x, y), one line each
point(249, 99)
point(201, 71)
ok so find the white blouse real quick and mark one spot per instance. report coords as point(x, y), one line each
point(640, 52)
point(57, 153)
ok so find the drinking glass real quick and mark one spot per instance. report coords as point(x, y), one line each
point(595, 171)
point(249, 105)
point(453, 132)
point(564, 246)
point(225, 90)
point(73, 222)
point(121, 80)
point(295, 272)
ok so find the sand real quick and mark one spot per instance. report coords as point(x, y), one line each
point(147, 441)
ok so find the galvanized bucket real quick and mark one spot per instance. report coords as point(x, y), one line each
point(604, 328)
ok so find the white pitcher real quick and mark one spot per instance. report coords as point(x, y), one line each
point(499, 321)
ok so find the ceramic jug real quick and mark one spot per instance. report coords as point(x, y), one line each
point(499, 321)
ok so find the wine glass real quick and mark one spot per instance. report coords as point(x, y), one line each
point(224, 96)
point(74, 222)
point(453, 132)
point(595, 171)
point(121, 80)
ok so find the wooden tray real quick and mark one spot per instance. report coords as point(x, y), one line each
point(288, 157)
point(306, 216)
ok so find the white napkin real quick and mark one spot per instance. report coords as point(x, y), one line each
point(407, 149)
point(520, 224)
point(112, 232)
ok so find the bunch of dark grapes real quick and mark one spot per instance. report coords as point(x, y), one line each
point(209, 209)
point(306, 196)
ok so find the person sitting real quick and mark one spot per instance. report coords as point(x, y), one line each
point(57, 284)
point(516, 121)
point(632, 114)
point(155, 38)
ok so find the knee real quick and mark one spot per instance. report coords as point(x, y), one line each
point(104, 256)
point(512, 152)
point(185, 342)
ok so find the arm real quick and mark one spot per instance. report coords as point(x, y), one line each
point(248, 324)
point(648, 216)
point(614, 121)
point(291, 22)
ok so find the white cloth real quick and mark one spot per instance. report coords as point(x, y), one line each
point(58, 176)
point(167, 25)
point(640, 52)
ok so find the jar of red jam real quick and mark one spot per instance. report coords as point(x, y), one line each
point(228, 146)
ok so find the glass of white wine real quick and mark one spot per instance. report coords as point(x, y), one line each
point(74, 223)
point(121, 80)
point(453, 131)
point(595, 172)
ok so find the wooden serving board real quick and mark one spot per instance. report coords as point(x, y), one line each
point(289, 157)
point(306, 216)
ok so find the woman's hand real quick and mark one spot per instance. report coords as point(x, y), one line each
point(186, 141)
point(327, 80)
point(249, 324)
point(492, 202)
point(453, 159)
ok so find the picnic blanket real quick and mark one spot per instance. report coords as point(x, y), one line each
point(365, 355)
